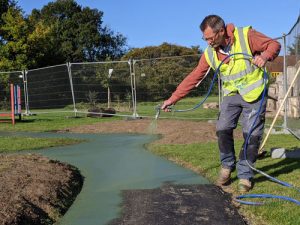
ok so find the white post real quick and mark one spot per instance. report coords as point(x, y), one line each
point(285, 84)
point(108, 88)
point(134, 90)
point(26, 98)
point(72, 88)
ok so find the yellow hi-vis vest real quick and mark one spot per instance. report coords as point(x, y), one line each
point(239, 75)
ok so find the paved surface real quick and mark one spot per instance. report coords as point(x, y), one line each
point(111, 163)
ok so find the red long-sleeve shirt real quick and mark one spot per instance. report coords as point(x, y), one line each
point(259, 44)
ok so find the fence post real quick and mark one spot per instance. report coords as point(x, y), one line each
point(133, 89)
point(135, 114)
point(72, 88)
point(26, 95)
point(285, 84)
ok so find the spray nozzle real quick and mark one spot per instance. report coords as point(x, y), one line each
point(158, 109)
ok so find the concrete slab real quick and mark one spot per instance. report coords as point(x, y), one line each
point(282, 153)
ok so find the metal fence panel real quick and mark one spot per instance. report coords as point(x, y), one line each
point(130, 87)
point(157, 79)
point(102, 85)
point(49, 88)
point(292, 63)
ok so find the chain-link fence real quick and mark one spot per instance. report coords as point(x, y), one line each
point(134, 87)
point(104, 85)
point(48, 88)
point(129, 88)
point(291, 64)
point(157, 78)
point(79, 88)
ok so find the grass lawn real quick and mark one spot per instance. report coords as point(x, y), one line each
point(41, 123)
point(203, 158)
point(16, 143)
point(50, 122)
point(148, 109)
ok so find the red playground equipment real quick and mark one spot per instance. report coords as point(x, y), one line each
point(15, 104)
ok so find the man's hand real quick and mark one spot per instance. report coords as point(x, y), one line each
point(259, 61)
point(165, 106)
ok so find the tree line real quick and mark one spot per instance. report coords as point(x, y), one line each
point(64, 31)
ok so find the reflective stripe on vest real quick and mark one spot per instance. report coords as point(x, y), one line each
point(237, 75)
point(246, 89)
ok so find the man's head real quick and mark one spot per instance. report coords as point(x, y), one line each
point(213, 29)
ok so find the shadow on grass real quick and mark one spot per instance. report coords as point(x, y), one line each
point(284, 166)
point(26, 121)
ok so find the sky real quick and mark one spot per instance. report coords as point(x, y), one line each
point(152, 22)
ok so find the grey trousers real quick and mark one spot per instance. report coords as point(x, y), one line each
point(234, 108)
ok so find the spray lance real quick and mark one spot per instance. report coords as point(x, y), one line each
point(158, 109)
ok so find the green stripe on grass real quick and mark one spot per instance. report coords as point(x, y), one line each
point(13, 144)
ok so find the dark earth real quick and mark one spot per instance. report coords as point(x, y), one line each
point(178, 204)
point(36, 190)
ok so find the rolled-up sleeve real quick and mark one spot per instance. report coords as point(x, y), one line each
point(265, 46)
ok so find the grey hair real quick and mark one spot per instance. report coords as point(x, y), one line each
point(214, 22)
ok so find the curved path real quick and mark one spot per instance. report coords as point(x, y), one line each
point(118, 165)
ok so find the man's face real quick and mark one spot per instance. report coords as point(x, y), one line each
point(214, 39)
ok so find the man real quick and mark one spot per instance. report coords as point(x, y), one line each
point(242, 84)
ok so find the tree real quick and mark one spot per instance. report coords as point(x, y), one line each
point(76, 33)
point(163, 50)
point(62, 31)
point(14, 46)
point(4, 5)
point(159, 69)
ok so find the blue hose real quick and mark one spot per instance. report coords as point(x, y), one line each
point(263, 196)
point(238, 198)
point(205, 97)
